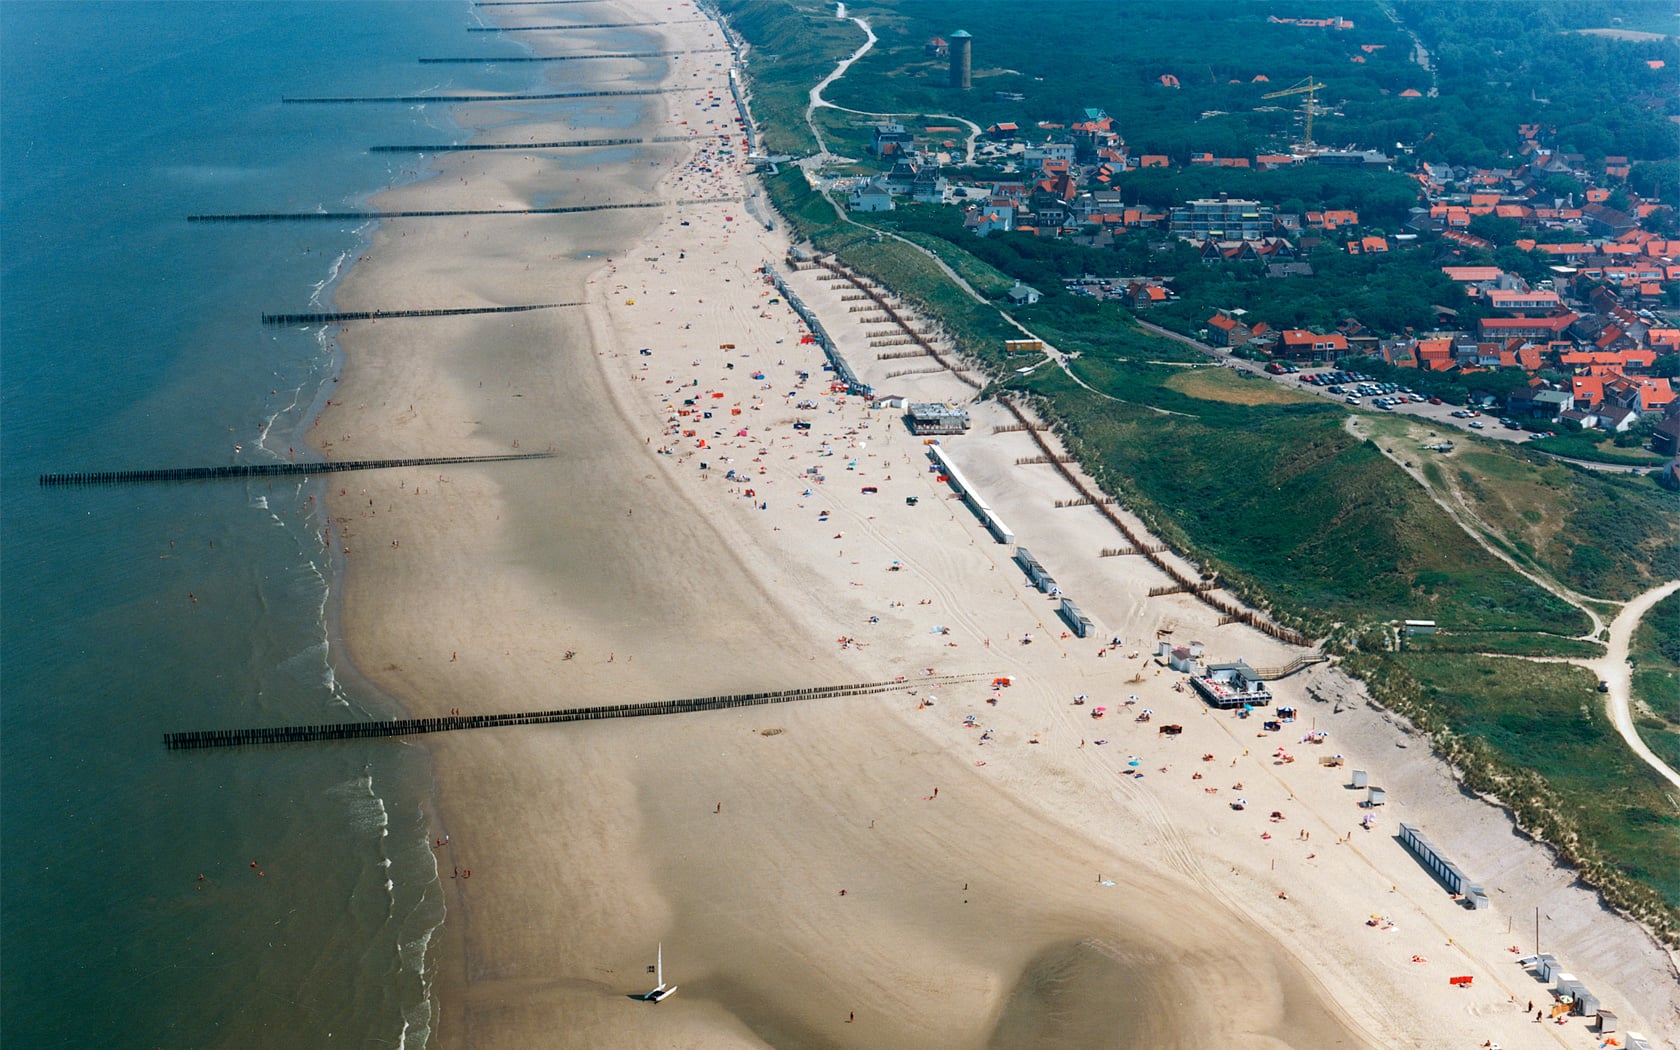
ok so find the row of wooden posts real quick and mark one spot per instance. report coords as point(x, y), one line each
point(218, 738)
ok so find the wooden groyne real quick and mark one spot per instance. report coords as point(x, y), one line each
point(266, 470)
point(1154, 553)
point(580, 25)
point(380, 315)
point(555, 96)
point(567, 58)
point(563, 144)
point(368, 216)
point(889, 314)
point(203, 739)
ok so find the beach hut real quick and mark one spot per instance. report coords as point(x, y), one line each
point(1077, 621)
point(1360, 778)
point(1606, 1022)
point(1376, 796)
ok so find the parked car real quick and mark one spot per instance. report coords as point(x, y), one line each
point(1436, 401)
point(1475, 424)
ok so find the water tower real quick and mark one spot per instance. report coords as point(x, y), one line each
point(962, 59)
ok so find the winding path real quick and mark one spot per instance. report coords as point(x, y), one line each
point(1614, 670)
point(818, 102)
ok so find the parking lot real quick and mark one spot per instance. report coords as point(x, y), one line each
point(1358, 390)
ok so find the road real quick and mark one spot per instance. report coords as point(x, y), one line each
point(818, 102)
point(1615, 671)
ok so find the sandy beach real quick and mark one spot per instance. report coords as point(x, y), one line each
point(961, 866)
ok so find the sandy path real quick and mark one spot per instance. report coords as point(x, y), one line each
point(1615, 671)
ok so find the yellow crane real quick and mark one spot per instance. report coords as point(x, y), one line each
point(1310, 88)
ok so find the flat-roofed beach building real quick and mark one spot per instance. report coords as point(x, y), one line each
point(1227, 686)
point(936, 417)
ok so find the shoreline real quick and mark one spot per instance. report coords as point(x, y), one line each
point(723, 595)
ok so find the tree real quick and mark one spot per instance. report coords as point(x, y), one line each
point(1656, 179)
point(1495, 229)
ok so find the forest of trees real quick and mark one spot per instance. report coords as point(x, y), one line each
point(1499, 65)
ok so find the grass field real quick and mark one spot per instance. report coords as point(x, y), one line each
point(1232, 388)
point(1596, 448)
point(1656, 658)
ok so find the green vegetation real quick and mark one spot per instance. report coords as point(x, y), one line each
point(789, 41)
point(1602, 534)
point(1600, 94)
point(1595, 446)
point(1383, 199)
point(1291, 510)
point(1506, 644)
point(1387, 293)
point(1656, 659)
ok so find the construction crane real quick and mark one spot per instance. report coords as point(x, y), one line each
point(1310, 88)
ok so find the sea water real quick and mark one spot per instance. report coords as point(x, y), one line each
point(281, 896)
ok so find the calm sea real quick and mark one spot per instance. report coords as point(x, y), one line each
point(269, 897)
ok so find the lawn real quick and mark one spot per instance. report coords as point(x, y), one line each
point(1232, 387)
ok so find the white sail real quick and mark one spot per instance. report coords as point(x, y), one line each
point(660, 992)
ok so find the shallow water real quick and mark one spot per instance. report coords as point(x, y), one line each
point(131, 339)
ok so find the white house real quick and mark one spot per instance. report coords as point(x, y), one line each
point(870, 196)
point(1024, 294)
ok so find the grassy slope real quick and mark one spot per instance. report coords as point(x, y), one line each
point(1656, 678)
point(1286, 503)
